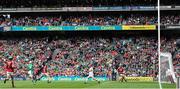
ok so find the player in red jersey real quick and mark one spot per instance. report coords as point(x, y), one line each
point(9, 67)
point(44, 72)
point(122, 75)
point(35, 73)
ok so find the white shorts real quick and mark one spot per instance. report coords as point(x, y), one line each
point(9, 74)
point(30, 73)
point(46, 74)
point(91, 75)
point(122, 75)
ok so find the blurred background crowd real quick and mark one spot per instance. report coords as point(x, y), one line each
point(74, 3)
point(72, 56)
point(170, 20)
point(85, 19)
point(88, 20)
point(170, 2)
point(82, 3)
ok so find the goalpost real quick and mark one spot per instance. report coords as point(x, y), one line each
point(167, 74)
point(178, 76)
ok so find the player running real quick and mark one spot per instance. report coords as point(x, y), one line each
point(36, 72)
point(91, 75)
point(44, 72)
point(31, 72)
point(9, 67)
point(122, 75)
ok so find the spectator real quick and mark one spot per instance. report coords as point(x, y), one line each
point(90, 20)
point(73, 55)
point(75, 3)
point(170, 20)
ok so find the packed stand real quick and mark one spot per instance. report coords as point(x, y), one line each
point(74, 3)
point(72, 56)
point(170, 20)
point(88, 20)
point(170, 2)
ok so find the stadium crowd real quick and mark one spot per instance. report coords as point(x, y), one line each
point(170, 20)
point(84, 20)
point(73, 56)
point(170, 2)
point(74, 3)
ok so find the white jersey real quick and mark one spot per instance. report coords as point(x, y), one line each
point(91, 72)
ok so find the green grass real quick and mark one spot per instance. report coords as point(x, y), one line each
point(90, 84)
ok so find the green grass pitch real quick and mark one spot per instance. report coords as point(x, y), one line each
point(89, 85)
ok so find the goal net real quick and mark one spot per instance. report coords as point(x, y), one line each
point(167, 74)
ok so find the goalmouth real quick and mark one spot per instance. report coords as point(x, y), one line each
point(167, 72)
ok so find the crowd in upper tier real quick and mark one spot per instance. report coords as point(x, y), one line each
point(170, 2)
point(170, 20)
point(88, 20)
point(80, 20)
point(75, 3)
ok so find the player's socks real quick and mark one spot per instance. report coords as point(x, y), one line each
point(120, 80)
point(48, 81)
point(99, 82)
point(38, 79)
point(86, 81)
point(34, 82)
point(13, 85)
point(12, 79)
point(5, 81)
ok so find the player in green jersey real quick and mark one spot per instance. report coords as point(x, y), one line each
point(31, 71)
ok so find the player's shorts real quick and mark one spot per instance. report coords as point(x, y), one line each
point(9, 74)
point(45, 74)
point(122, 75)
point(91, 75)
point(30, 73)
